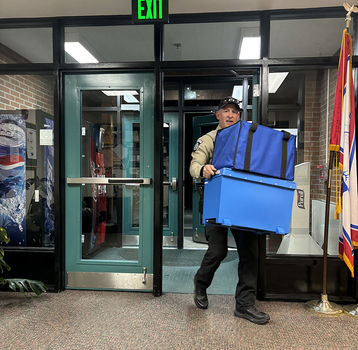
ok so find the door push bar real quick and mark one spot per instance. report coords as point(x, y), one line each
point(172, 183)
point(137, 181)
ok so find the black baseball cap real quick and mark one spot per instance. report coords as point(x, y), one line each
point(230, 100)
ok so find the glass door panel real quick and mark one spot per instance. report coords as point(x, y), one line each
point(170, 175)
point(109, 149)
point(166, 170)
point(201, 125)
point(102, 224)
point(131, 169)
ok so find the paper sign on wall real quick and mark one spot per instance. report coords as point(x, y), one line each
point(46, 137)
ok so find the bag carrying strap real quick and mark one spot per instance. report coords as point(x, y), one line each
point(250, 137)
point(285, 137)
point(237, 143)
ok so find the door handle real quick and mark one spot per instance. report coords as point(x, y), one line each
point(109, 181)
point(173, 183)
point(197, 185)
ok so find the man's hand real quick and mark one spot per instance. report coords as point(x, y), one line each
point(208, 171)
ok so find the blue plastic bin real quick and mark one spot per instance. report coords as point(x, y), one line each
point(238, 199)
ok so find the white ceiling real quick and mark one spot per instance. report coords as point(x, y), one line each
point(182, 42)
point(56, 8)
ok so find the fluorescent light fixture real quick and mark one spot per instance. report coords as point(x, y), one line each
point(129, 98)
point(79, 52)
point(237, 92)
point(189, 94)
point(127, 95)
point(165, 125)
point(119, 92)
point(250, 48)
point(130, 107)
point(275, 81)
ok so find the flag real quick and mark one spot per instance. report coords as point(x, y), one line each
point(343, 140)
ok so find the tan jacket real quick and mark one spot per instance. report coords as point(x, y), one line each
point(202, 153)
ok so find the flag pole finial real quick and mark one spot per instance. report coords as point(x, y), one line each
point(349, 8)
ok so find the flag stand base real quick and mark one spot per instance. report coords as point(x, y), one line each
point(324, 307)
point(351, 310)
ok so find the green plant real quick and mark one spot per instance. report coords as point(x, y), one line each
point(16, 284)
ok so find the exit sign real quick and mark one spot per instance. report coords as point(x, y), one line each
point(149, 11)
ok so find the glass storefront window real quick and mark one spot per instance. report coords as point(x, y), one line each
point(26, 45)
point(302, 103)
point(317, 37)
point(27, 159)
point(209, 41)
point(103, 44)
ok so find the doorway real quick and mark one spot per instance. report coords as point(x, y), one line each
point(194, 100)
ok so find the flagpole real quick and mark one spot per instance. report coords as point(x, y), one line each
point(342, 110)
point(326, 222)
point(323, 306)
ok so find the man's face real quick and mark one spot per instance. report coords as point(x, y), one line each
point(227, 115)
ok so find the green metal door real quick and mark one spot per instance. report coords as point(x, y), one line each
point(109, 170)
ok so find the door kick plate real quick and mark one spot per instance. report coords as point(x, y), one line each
point(109, 280)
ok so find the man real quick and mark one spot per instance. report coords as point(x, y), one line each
point(228, 113)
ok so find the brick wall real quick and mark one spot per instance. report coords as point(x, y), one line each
point(315, 131)
point(24, 91)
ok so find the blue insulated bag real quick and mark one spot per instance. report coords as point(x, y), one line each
point(255, 148)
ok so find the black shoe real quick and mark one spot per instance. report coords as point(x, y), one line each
point(200, 298)
point(252, 314)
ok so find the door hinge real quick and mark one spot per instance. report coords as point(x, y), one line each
point(144, 279)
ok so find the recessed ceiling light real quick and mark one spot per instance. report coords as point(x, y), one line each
point(250, 48)
point(237, 92)
point(77, 51)
point(275, 81)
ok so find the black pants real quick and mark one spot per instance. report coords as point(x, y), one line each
point(247, 248)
